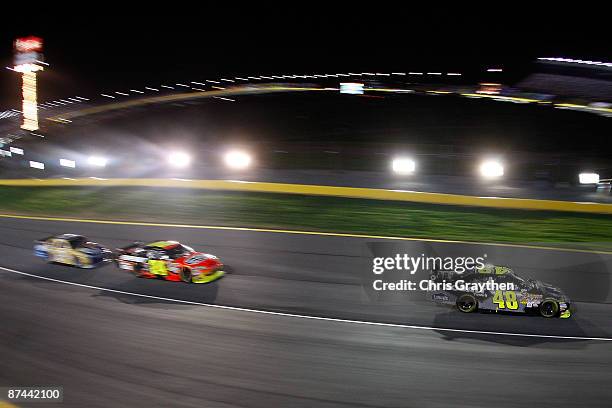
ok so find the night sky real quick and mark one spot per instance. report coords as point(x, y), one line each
point(112, 49)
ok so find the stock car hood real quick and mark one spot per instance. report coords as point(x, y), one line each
point(200, 259)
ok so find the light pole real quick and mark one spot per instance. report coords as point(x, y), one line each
point(28, 61)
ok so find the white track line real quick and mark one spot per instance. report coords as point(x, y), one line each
point(328, 319)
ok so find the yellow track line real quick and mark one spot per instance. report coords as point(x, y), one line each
point(331, 191)
point(296, 232)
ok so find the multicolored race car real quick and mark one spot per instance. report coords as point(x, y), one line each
point(71, 249)
point(468, 292)
point(169, 260)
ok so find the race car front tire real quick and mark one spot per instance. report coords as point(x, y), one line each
point(137, 270)
point(185, 275)
point(549, 308)
point(467, 303)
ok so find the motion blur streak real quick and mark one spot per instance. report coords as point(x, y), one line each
point(181, 97)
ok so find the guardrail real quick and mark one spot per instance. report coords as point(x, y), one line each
point(329, 191)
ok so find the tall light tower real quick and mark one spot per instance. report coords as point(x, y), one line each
point(28, 61)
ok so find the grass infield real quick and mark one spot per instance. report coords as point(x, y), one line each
point(328, 214)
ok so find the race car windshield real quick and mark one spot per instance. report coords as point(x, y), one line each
point(77, 242)
point(521, 281)
point(178, 251)
point(187, 249)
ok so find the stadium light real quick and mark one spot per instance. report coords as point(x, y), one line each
point(97, 161)
point(351, 88)
point(179, 159)
point(237, 159)
point(28, 61)
point(588, 178)
point(37, 165)
point(491, 169)
point(403, 165)
point(67, 163)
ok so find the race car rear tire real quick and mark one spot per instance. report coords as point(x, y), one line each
point(186, 275)
point(549, 308)
point(467, 303)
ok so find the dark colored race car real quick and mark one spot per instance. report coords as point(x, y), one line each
point(169, 260)
point(71, 249)
point(467, 292)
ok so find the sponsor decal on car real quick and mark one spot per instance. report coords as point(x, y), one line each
point(439, 297)
point(132, 258)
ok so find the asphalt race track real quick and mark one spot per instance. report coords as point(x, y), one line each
point(116, 349)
